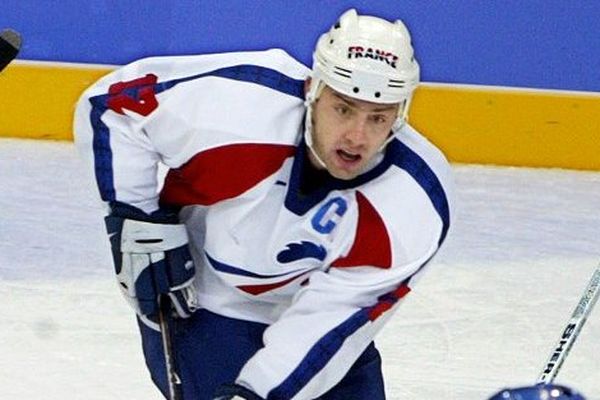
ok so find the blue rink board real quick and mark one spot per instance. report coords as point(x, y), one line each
point(529, 43)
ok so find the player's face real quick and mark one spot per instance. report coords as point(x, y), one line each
point(347, 133)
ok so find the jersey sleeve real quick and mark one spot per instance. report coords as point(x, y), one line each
point(316, 341)
point(168, 109)
point(335, 316)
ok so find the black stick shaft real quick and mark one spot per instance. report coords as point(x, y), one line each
point(172, 375)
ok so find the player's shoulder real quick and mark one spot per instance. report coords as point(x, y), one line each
point(413, 161)
point(413, 150)
point(414, 158)
point(169, 68)
point(273, 67)
point(415, 194)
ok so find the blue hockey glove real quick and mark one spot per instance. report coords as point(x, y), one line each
point(235, 392)
point(151, 257)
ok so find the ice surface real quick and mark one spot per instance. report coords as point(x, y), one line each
point(522, 249)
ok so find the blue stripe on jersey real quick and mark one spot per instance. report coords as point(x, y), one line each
point(101, 142)
point(324, 350)
point(318, 356)
point(102, 151)
point(230, 269)
point(415, 166)
point(248, 73)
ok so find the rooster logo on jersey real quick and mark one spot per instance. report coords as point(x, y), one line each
point(299, 251)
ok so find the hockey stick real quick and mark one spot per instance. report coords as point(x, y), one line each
point(10, 44)
point(173, 380)
point(571, 331)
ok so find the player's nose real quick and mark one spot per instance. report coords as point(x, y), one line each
point(356, 133)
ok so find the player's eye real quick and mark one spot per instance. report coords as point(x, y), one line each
point(379, 119)
point(342, 109)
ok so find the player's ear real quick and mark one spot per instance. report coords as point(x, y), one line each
point(307, 85)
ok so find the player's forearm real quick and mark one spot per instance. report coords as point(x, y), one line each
point(314, 344)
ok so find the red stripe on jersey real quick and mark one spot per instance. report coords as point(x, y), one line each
point(258, 289)
point(388, 302)
point(371, 242)
point(222, 173)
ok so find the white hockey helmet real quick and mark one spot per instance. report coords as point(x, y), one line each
point(367, 58)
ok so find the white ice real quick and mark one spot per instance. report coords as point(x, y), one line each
point(523, 247)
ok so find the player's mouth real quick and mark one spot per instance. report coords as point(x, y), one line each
point(348, 157)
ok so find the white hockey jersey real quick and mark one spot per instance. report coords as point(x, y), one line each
point(324, 269)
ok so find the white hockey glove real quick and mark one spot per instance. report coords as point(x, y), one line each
point(151, 258)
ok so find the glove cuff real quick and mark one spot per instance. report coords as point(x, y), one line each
point(127, 211)
point(150, 237)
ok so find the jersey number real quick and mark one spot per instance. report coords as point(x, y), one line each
point(137, 95)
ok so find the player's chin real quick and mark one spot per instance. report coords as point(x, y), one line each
point(344, 173)
point(345, 168)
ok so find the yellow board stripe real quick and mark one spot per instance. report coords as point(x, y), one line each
point(38, 100)
point(471, 124)
point(487, 125)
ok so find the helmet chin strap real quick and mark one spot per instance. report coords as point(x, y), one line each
point(313, 94)
point(398, 124)
point(308, 140)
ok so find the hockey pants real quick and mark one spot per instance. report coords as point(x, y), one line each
point(210, 350)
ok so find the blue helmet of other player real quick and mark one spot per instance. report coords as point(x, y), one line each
point(538, 392)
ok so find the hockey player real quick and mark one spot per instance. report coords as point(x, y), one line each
point(298, 209)
point(538, 392)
